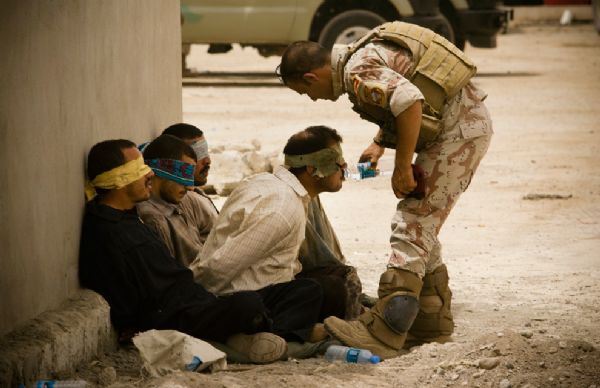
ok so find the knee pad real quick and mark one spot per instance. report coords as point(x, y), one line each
point(396, 309)
point(400, 312)
point(395, 279)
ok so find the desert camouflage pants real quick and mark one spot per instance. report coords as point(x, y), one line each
point(449, 164)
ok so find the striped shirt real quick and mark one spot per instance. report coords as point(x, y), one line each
point(256, 238)
point(183, 227)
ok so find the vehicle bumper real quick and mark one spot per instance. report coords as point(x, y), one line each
point(480, 27)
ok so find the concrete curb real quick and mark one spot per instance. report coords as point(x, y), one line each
point(57, 341)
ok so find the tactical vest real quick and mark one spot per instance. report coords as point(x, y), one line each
point(441, 71)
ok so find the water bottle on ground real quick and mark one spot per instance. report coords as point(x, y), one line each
point(351, 355)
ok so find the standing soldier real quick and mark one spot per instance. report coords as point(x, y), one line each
point(415, 86)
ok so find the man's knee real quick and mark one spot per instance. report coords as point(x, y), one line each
point(308, 289)
point(249, 308)
point(400, 312)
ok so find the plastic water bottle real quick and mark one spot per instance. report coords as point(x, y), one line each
point(60, 384)
point(351, 355)
point(361, 171)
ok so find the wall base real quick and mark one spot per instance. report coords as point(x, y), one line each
point(57, 341)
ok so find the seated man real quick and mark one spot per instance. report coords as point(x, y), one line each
point(181, 218)
point(322, 258)
point(146, 288)
point(255, 242)
point(194, 137)
point(184, 227)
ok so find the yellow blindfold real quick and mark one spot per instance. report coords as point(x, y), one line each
point(118, 177)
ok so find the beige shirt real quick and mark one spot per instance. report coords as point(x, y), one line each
point(184, 227)
point(256, 238)
point(321, 246)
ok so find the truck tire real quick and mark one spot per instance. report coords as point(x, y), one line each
point(449, 13)
point(596, 12)
point(445, 29)
point(348, 27)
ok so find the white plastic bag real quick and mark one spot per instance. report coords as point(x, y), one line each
point(166, 351)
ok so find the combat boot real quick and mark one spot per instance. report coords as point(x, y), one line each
point(434, 320)
point(356, 335)
point(384, 327)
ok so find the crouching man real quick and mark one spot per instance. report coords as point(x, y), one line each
point(145, 286)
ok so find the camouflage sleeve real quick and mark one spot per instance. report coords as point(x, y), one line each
point(375, 75)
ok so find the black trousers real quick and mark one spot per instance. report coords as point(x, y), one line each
point(215, 318)
point(293, 307)
point(335, 295)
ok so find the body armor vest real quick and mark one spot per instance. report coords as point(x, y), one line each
point(441, 71)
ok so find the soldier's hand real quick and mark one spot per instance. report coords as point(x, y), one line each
point(403, 181)
point(372, 154)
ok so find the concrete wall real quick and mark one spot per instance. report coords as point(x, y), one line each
point(72, 73)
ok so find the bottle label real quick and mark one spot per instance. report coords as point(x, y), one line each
point(365, 170)
point(352, 355)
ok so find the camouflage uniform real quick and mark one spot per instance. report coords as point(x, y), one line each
point(378, 75)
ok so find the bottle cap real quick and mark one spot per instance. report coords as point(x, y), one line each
point(375, 360)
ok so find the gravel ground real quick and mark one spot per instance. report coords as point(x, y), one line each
point(522, 245)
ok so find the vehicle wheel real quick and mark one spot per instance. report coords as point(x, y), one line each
point(596, 12)
point(185, 50)
point(450, 14)
point(348, 26)
point(445, 29)
point(459, 40)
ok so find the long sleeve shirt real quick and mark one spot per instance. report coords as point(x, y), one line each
point(256, 238)
point(124, 261)
point(184, 227)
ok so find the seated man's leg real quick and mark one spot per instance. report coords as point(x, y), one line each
point(218, 318)
point(293, 307)
point(341, 290)
point(240, 320)
point(322, 260)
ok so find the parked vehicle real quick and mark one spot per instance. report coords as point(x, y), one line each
point(270, 25)
point(476, 21)
point(596, 12)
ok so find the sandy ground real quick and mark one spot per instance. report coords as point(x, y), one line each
point(524, 268)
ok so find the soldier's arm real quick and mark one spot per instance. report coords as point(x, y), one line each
point(408, 124)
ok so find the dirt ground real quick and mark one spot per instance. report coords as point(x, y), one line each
point(522, 246)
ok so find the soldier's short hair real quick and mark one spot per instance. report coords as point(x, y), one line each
point(302, 57)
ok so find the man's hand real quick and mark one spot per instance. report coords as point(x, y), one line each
point(403, 181)
point(372, 154)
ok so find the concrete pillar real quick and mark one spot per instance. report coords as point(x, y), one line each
point(72, 73)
